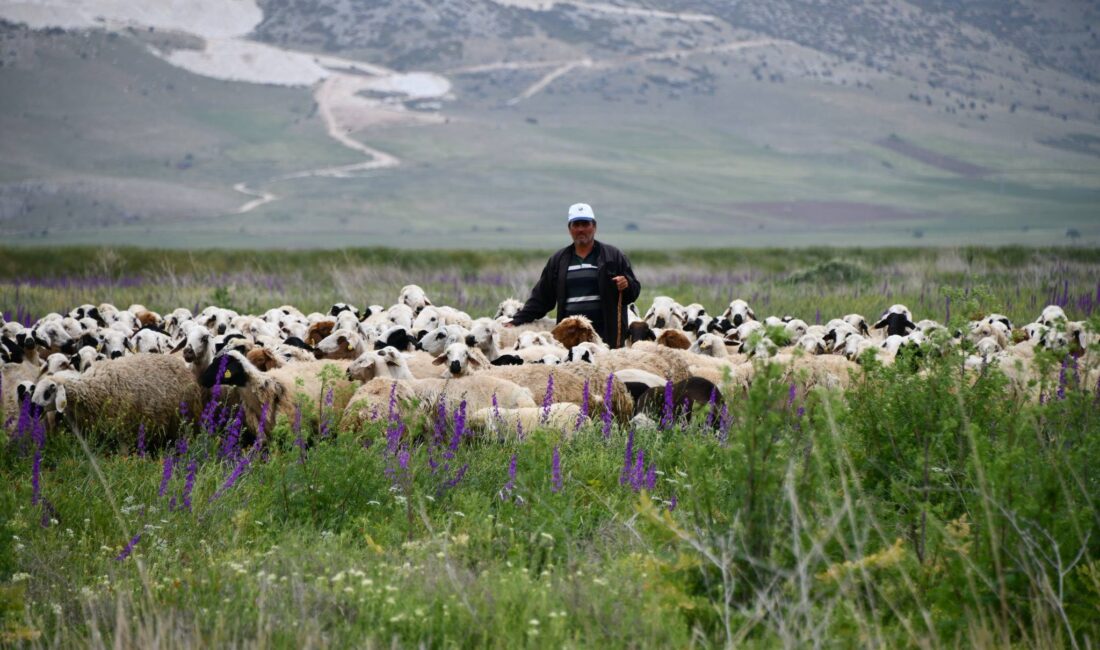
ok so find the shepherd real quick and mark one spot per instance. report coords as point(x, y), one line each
point(587, 278)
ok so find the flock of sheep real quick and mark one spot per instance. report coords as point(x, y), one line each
point(134, 367)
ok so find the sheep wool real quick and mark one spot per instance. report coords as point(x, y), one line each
point(118, 395)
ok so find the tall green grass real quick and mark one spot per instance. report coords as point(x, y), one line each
point(924, 507)
point(1017, 282)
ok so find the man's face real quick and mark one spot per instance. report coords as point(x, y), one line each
point(583, 231)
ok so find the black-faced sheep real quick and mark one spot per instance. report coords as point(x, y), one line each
point(282, 391)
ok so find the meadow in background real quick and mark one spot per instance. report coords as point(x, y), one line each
point(922, 507)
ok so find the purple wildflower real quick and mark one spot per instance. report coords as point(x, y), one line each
point(791, 394)
point(460, 420)
point(242, 464)
point(166, 475)
point(724, 422)
point(185, 413)
point(583, 415)
point(209, 418)
point(141, 440)
point(496, 410)
point(555, 473)
point(393, 403)
point(669, 408)
point(519, 430)
point(403, 458)
point(672, 501)
point(458, 477)
point(440, 425)
point(651, 477)
point(712, 407)
point(129, 548)
point(232, 436)
point(511, 484)
point(548, 399)
point(189, 483)
point(637, 476)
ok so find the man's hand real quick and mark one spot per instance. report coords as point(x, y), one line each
point(620, 282)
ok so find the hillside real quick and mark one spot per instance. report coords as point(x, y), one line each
point(473, 123)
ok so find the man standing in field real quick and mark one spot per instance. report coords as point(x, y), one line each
point(588, 278)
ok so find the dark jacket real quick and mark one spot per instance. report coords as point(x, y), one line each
point(549, 292)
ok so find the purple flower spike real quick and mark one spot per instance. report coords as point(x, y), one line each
point(791, 394)
point(141, 440)
point(607, 406)
point(637, 476)
point(548, 399)
point(712, 407)
point(628, 455)
point(583, 415)
point(129, 548)
point(233, 476)
point(506, 491)
point(166, 475)
point(669, 408)
point(672, 502)
point(724, 423)
point(189, 484)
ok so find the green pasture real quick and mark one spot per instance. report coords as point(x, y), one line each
point(915, 508)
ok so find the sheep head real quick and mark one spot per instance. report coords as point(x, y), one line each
point(575, 329)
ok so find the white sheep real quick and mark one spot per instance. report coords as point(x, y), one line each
point(414, 298)
point(507, 308)
point(150, 341)
point(123, 393)
point(460, 359)
point(738, 312)
point(562, 416)
point(1051, 314)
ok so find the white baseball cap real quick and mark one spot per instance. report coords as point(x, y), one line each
point(580, 211)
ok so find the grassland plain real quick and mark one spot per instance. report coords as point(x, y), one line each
point(108, 145)
point(923, 507)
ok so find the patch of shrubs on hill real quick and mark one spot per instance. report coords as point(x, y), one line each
point(831, 271)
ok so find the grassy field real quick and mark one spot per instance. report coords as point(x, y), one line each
point(923, 507)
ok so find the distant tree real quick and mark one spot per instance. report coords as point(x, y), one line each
point(1073, 233)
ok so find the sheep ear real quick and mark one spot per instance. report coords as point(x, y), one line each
point(879, 325)
point(440, 360)
point(179, 346)
point(863, 328)
point(62, 400)
point(474, 362)
point(128, 344)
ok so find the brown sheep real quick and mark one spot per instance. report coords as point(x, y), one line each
point(575, 329)
point(674, 339)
